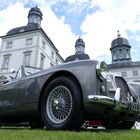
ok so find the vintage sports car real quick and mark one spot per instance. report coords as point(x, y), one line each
point(62, 97)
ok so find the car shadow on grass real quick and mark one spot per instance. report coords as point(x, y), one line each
point(97, 130)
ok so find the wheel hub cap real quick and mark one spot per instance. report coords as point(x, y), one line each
point(59, 104)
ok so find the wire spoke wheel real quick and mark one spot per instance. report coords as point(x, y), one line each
point(59, 104)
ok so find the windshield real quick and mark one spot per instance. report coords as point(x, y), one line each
point(31, 70)
point(26, 71)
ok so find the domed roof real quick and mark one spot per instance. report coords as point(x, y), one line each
point(79, 41)
point(119, 41)
point(31, 25)
point(79, 54)
point(77, 57)
point(35, 10)
point(27, 28)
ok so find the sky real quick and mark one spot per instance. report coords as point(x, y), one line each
point(95, 21)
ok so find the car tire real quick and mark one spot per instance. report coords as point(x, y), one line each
point(121, 125)
point(61, 105)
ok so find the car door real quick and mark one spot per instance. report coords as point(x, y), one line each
point(8, 94)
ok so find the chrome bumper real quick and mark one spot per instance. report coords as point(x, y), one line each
point(115, 104)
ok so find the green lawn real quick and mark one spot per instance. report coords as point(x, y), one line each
point(28, 134)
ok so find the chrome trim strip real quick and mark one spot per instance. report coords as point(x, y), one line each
point(117, 94)
point(101, 99)
point(108, 101)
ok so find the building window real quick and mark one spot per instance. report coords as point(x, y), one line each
point(52, 55)
point(43, 45)
point(124, 74)
point(42, 59)
point(114, 57)
point(127, 56)
point(6, 61)
point(121, 56)
point(26, 59)
point(51, 64)
point(29, 41)
point(80, 49)
point(9, 45)
point(135, 73)
point(56, 61)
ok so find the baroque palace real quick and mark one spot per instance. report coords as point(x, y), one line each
point(29, 46)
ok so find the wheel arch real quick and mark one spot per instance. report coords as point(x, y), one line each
point(56, 75)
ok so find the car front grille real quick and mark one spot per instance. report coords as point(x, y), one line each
point(125, 94)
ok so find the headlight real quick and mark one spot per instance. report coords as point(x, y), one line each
point(102, 70)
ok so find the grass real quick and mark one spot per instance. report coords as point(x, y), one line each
point(7, 133)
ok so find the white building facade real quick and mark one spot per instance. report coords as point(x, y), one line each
point(129, 71)
point(121, 60)
point(28, 45)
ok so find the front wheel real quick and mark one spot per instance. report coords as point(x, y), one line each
point(121, 125)
point(61, 105)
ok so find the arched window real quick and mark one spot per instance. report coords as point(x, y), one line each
point(114, 57)
point(121, 56)
point(127, 55)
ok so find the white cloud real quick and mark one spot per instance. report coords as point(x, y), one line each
point(126, 11)
point(11, 17)
point(59, 32)
point(101, 27)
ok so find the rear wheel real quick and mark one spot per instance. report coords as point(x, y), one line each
point(122, 125)
point(61, 105)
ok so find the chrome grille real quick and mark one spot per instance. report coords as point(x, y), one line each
point(125, 94)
